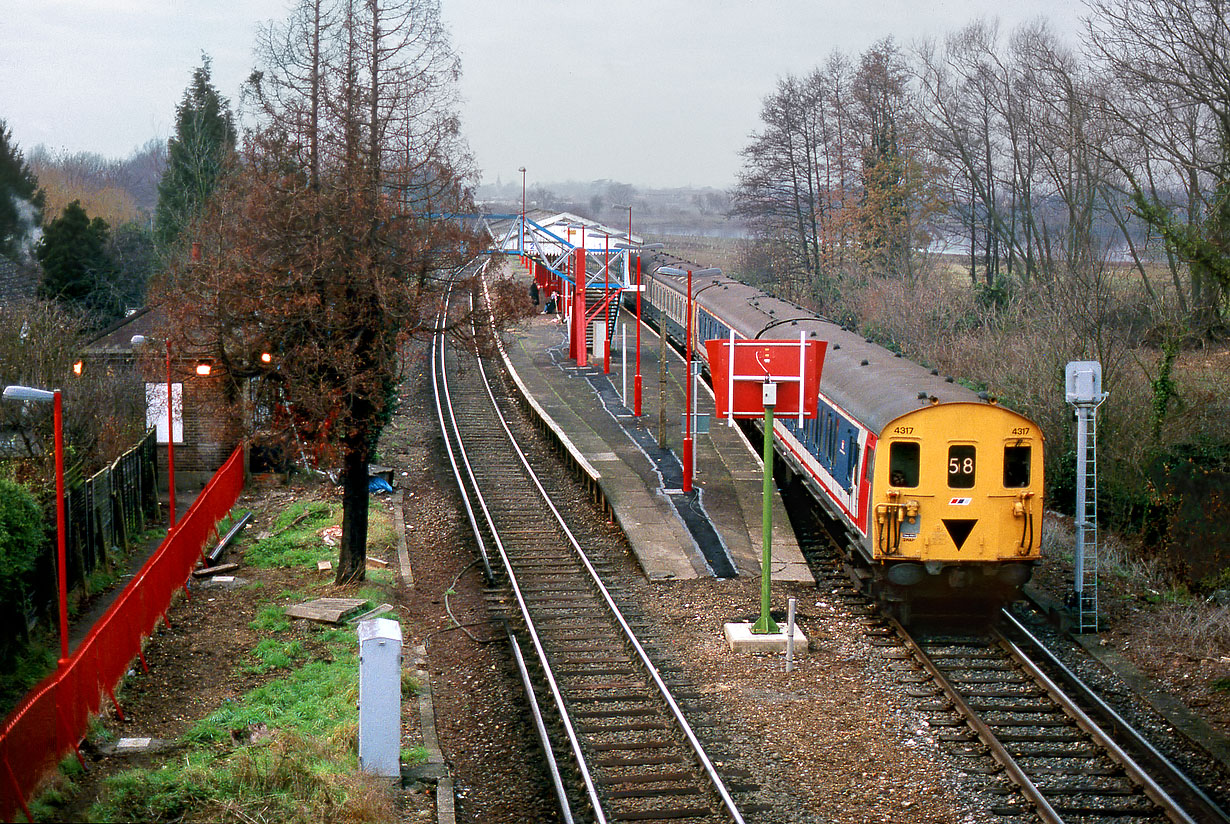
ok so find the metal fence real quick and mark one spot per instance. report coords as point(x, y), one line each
point(104, 514)
point(52, 719)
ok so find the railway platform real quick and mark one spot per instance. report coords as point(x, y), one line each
point(715, 530)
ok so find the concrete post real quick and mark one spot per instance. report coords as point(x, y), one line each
point(380, 697)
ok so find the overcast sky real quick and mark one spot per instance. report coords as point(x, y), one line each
point(649, 92)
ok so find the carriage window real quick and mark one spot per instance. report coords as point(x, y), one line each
point(1016, 466)
point(961, 467)
point(903, 464)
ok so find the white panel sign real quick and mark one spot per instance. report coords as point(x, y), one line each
point(156, 409)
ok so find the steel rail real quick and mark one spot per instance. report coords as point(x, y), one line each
point(698, 749)
point(438, 348)
point(1133, 770)
point(1208, 807)
point(998, 751)
point(557, 780)
point(556, 694)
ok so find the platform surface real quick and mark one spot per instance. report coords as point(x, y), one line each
point(715, 530)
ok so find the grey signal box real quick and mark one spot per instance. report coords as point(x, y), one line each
point(1083, 383)
point(380, 697)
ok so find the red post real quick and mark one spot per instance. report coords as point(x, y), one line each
point(578, 307)
point(170, 441)
point(687, 409)
point(606, 291)
point(636, 382)
point(61, 554)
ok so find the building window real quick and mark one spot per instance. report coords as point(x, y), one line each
point(156, 410)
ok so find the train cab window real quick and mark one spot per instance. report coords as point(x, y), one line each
point(1016, 466)
point(961, 466)
point(903, 461)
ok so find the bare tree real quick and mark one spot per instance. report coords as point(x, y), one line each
point(1168, 98)
point(326, 245)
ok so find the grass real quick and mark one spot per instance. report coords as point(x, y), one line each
point(271, 654)
point(285, 751)
point(295, 539)
point(270, 619)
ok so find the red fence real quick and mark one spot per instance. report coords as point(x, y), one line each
point(53, 718)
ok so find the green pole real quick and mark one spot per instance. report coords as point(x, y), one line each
point(766, 625)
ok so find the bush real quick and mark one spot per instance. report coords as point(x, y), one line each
point(22, 539)
point(1190, 508)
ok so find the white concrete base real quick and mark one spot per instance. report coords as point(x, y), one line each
point(741, 639)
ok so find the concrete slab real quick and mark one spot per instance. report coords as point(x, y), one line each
point(134, 746)
point(326, 610)
point(740, 638)
point(223, 582)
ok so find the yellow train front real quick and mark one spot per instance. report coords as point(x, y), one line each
point(933, 491)
point(956, 506)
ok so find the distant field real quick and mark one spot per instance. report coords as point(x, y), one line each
point(707, 251)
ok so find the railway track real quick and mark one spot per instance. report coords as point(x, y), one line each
point(1043, 745)
point(618, 745)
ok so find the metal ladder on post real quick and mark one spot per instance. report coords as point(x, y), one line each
point(1087, 606)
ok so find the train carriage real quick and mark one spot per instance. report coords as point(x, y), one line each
point(937, 489)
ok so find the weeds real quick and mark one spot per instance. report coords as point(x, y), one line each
point(271, 654)
point(286, 751)
point(1196, 630)
point(313, 698)
point(270, 619)
point(295, 540)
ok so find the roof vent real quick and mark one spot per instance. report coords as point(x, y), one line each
point(835, 346)
point(922, 396)
point(949, 379)
point(864, 362)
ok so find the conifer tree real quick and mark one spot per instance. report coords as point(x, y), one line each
point(21, 202)
point(203, 144)
point(74, 257)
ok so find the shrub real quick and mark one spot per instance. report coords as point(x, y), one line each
point(22, 538)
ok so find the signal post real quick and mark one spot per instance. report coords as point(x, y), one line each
point(765, 377)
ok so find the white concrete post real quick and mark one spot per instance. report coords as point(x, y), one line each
point(380, 697)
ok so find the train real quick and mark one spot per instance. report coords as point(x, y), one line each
point(933, 490)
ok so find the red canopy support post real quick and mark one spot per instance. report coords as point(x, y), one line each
point(687, 408)
point(606, 312)
point(636, 382)
point(578, 308)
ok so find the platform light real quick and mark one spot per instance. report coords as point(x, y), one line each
point(203, 369)
point(266, 357)
point(78, 368)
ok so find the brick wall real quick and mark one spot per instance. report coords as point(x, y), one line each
point(211, 429)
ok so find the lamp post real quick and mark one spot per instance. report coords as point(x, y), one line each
point(522, 242)
point(687, 409)
point(137, 340)
point(636, 381)
point(27, 393)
